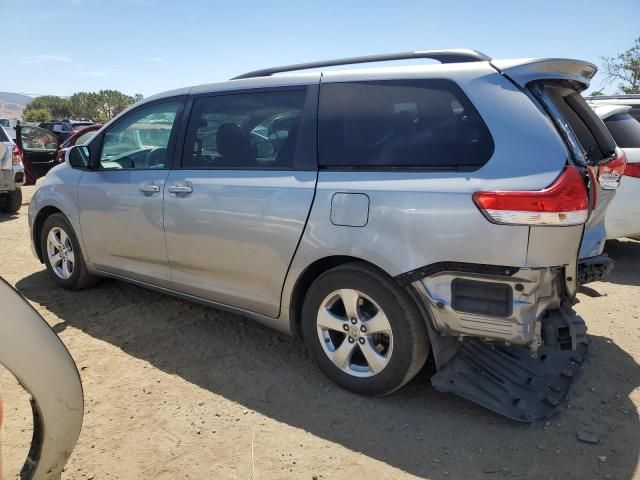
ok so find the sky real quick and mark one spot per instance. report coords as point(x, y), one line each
point(59, 47)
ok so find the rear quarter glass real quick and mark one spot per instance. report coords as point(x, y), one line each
point(406, 124)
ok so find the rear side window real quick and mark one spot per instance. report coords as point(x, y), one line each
point(593, 136)
point(3, 135)
point(244, 131)
point(625, 130)
point(401, 124)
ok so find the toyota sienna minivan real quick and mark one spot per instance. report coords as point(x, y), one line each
point(379, 214)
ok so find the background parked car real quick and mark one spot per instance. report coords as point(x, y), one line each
point(623, 216)
point(38, 147)
point(629, 100)
point(12, 175)
point(65, 128)
point(78, 138)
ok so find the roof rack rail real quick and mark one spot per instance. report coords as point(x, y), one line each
point(443, 56)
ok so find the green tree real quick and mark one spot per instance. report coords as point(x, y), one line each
point(37, 115)
point(111, 103)
point(595, 93)
point(625, 68)
point(85, 105)
point(137, 97)
point(58, 107)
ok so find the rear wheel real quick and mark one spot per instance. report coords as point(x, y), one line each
point(363, 331)
point(62, 254)
point(12, 201)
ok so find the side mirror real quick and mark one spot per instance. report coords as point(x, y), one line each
point(78, 156)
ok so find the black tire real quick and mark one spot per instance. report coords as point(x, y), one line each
point(80, 277)
point(410, 339)
point(12, 202)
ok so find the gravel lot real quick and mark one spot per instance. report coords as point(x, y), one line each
point(177, 390)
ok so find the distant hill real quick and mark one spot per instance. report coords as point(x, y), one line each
point(12, 104)
point(16, 98)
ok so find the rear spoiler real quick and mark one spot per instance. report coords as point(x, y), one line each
point(524, 71)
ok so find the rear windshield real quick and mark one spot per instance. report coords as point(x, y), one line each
point(426, 123)
point(625, 130)
point(593, 136)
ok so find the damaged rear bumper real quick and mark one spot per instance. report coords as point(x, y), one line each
point(505, 339)
point(509, 380)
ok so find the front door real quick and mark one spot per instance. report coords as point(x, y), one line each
point(120, 202)
point(235, 210)
point(38, 151)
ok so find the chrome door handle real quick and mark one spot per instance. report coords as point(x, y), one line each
point(184, 189)
point(148, 188)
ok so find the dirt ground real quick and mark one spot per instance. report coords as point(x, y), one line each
point(177, 390)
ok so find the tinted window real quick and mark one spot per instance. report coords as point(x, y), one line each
point(35, 138)
point(3, 135)
point(401, 123)
point(625, 130)
point(5, 123)
point(248, 130)
point(140, 141)
point(593, 136)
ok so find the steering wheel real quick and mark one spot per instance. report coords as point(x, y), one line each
point(156, 157)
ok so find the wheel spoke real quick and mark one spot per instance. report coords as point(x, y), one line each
point(328, 320)
point(379, 323)
point(67, 268)
point(341, 357)
point(71, 257)
point(64, 238)
point(56, 258)
point(350, 299)
point(55, 241)
point(376, 361)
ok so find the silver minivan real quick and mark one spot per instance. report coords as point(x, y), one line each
point(380, 214)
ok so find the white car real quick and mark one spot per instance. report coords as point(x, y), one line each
point(623, 216)
point(11, 174)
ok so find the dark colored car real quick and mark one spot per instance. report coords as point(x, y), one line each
point(65, 128)
point(78, 138)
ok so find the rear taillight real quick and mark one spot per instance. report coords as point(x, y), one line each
point(16, 155)
point(610, 173)
point(565, 202)
point(632, 170)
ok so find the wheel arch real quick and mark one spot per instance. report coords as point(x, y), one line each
point(44, 213)
point(306, 278)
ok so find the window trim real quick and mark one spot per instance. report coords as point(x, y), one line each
point(406, 168)
point(306, 146)
point(96, 144)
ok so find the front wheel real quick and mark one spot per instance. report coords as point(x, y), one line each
point(62, 254)
point(363, 331)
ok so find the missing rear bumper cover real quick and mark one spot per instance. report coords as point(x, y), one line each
point(508, 380)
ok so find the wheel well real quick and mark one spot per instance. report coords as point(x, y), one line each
point(305, 280)
point(43, 214)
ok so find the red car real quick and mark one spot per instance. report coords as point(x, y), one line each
point(81, 136)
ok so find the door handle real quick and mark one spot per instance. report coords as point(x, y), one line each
point(180, 189)
point(149, 188)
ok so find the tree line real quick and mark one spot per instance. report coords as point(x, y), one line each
point(96, 106)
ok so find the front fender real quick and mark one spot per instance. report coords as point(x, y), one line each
point(39, 360)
